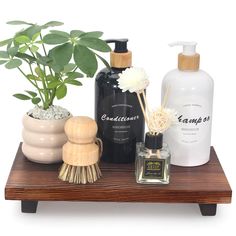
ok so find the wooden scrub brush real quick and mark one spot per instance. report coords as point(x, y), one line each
point(82, 151)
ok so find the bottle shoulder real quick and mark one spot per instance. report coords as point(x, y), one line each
point(188, 79)
point(108, 76)
point(182, 74)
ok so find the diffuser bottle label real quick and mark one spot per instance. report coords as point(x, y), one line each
point(153, 168)
point(194, 120)
point(119, 119)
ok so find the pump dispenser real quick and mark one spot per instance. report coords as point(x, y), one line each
point(188, 60)
point(120, 57)
point(118, 115)
point(191, 96)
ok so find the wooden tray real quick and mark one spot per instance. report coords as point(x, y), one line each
point(205, 185)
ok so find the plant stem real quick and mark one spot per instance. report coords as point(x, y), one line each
point(46, 94)
point(22, 72)
point(31, 70)
point(44, 49)
point(40, 94)
point(53, 94)
point(45, 53)
point(35, 85)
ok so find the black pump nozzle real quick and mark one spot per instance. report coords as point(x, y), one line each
point(120, 45)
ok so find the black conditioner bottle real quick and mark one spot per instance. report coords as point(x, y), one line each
point(118, 114)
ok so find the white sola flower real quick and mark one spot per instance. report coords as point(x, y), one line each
point(161, 119)
point(133, 80)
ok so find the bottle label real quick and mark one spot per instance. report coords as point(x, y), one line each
point(154, 168)
point(194, 120)
point(120, 118)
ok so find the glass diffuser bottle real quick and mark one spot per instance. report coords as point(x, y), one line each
point(152, 160)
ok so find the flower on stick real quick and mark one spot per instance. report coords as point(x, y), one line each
point(136, 80)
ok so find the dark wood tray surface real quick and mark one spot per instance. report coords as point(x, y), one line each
point(205, 184)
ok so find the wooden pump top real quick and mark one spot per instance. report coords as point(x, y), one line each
point(121, 57)
point(188, 60)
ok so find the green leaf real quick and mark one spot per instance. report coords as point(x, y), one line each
point(56, 68)
point(31, 31)
point(34, 48)
point(76, 33)
point(22, 39)
point(5, 42)
point(35, 36)
point(69, 67)
point(62, 54)
point(92, 34)
point(18, 22)
point(23, 49)
point(73, 82)
point(103, 60)
point(74, 75)
point(3, 62)
point(31, 93)
point(21, 96)
point(4, 54)
point(85, 59)
point(25, 56)
point(13, 51)
point(44, 60)
point(13, 63)
point(36, 100)
point(33, 77)
point(52, 24)
point(9, 43)
point(54, 84)
point(61, 91)
point(39, 72)
point(54, 39)
point(50, 77)
point(95, 43)
point(39, 42)
point(61, 33)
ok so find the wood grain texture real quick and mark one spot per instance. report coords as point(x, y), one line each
point(205, 184)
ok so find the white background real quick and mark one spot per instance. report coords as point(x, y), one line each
point(150, 26)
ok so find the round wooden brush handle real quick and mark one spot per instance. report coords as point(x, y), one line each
point(81, 129)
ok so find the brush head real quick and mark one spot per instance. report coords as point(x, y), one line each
point(80, 174)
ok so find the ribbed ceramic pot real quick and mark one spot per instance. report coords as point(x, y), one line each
point(43, 139)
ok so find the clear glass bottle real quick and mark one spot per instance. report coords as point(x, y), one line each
point(152, 161)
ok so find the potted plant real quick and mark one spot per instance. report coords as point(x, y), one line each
point(54, 60)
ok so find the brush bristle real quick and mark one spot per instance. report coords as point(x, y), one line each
point(80, 174)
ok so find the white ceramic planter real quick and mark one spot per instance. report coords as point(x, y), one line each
point(43, 139)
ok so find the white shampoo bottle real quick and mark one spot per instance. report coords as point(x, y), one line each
point(190, 94)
